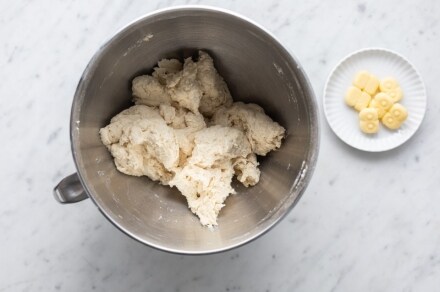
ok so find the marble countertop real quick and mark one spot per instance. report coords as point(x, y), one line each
point(367, 222)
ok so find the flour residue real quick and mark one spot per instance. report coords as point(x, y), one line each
point(278, 68)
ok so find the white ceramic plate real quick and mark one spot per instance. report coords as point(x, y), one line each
point(344, 120)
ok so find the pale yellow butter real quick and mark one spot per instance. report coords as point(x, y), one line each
point(372, 85)
point(382, 107)
point(352, 95)
point(396, 94)
point(357, 98)
point(394, 118)
point(369, 120)
point(361, 79)
point(390, 86)
point(387, 84)
point(363, 101)
point(382, 102)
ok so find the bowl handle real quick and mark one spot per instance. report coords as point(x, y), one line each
point(69, 190)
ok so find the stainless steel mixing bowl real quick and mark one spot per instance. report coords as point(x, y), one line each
point(257, 69)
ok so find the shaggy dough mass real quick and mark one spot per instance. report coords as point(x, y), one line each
point(185, 131)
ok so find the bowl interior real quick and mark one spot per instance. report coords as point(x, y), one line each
point(256, 68)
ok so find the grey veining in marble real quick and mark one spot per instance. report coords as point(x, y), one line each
point(367, 222)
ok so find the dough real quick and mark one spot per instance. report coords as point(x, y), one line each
point(246, 170)
point(184, 87)
point(166, 68)
point(214, 88)
point(263, 134)
point(165, 135)
point(142, 143)
point(206, 178)
point(148, 90)
point(205, 190)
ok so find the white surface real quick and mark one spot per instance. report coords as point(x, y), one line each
point(367, 222)
point(382, 63)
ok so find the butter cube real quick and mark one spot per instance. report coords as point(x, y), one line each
point(396, 94)
point(356, 98)
point(372, 85)
point(391, 122)
point(361, 79)
point(382, 102)
point(399, 112)
point(363, 101)
point(383, 107)
point(352, 96)
point(368, 114)
point(387, 84)
point(369, 120)
point(390, 86)
point(369, 127)
point(394, 118)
